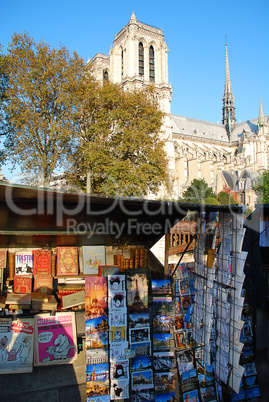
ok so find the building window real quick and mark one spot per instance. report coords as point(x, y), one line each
point(122, 65)
point(105, 76)
point(151, 65)
point(141, 58)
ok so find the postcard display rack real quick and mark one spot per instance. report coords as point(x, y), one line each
point(220, 320)
point(127, 355)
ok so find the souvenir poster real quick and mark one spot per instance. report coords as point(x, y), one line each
point(147, 393)
point(24, 262)
point(163, 360)
point(140, 363)
point(55, 339)
point(92, 257)
point(162, 341)
point(141, 349)
point(139, 335)
point(105, 270)
point(191, 396)
point(97, 379)
point(141, 379)
point(164, 381)
point(119, 369)
point(118, 318)
point(161, 287)
point(138, 320)
point(16, 346)
point(95, 297)
point(117, 334)
point(170, 396)
point(162, 305)
point(137, 294)
point(184, 361)
point(96, 356)
point(119, 389)
point(162, 323)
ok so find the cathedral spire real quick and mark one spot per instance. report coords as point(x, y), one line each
point(133, 18)
point(261, 116)
point(228, 109)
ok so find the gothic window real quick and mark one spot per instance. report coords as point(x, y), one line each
point(122, 65)
point(105, 76)
point(141, 58)
point(151, 65)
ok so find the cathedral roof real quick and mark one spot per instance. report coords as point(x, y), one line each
point(249, 126)
point(198, 128)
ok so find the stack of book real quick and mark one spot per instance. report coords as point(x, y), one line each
point(43, 301)
point(18, 301)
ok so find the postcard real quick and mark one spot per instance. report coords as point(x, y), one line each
point(139, 334)
point(97, 340)
point(163, 360)
point(117, 302)
point(117, 334)
point(184, 361)
point(95, 296)
point(180, 340)
point(119, 369)
point(97, 374)
point(179, 322)
point(141, 379)
point(138, 320)
point(140, 363)
point(163, 305)
point(191, 396)
point(95, 325)
point(161, 287)
point(118, 318)
point(162, 323)
point(100, 398)
point(137, 294)
point(96, 356)
point(119, 389)
point(141, 349)
point(171, 396)
point(116, 283)
point(162, 341)
point(147, 393)
point(164, 381)
point(118, 351)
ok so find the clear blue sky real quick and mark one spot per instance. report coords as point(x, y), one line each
point(195, 34)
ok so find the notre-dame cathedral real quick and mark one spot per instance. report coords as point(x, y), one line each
point(228, 156)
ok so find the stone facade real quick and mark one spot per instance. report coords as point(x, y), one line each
point(227, 155)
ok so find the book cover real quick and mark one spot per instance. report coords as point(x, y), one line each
point(92, 257)
point(67, 261)
point(22, 284)
point(24, 262)
point(50, 304)
point(39, 296)
point(42, 262)
point(43, 284)
point(55, 339)
point(17, 344)
point(105, 270)
point(74, 299)
point(18, 298)
point(3, 258)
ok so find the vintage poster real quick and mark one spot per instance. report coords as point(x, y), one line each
point(92, 257)
point(24, 262)
point(55, 339)
point(16, 346)
point(95, 297)
point(137, 293)
point(97, 379)
point(161, 287)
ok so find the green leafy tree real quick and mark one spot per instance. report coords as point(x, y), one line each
point(120, 146)
point(261, 188)
point(225, 198)
point(199, 192)
point(40, 106)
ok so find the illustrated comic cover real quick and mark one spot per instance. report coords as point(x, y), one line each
point(55, 339)
point(17, 345)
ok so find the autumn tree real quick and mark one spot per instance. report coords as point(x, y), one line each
point(120, 147)
point(40, 105)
